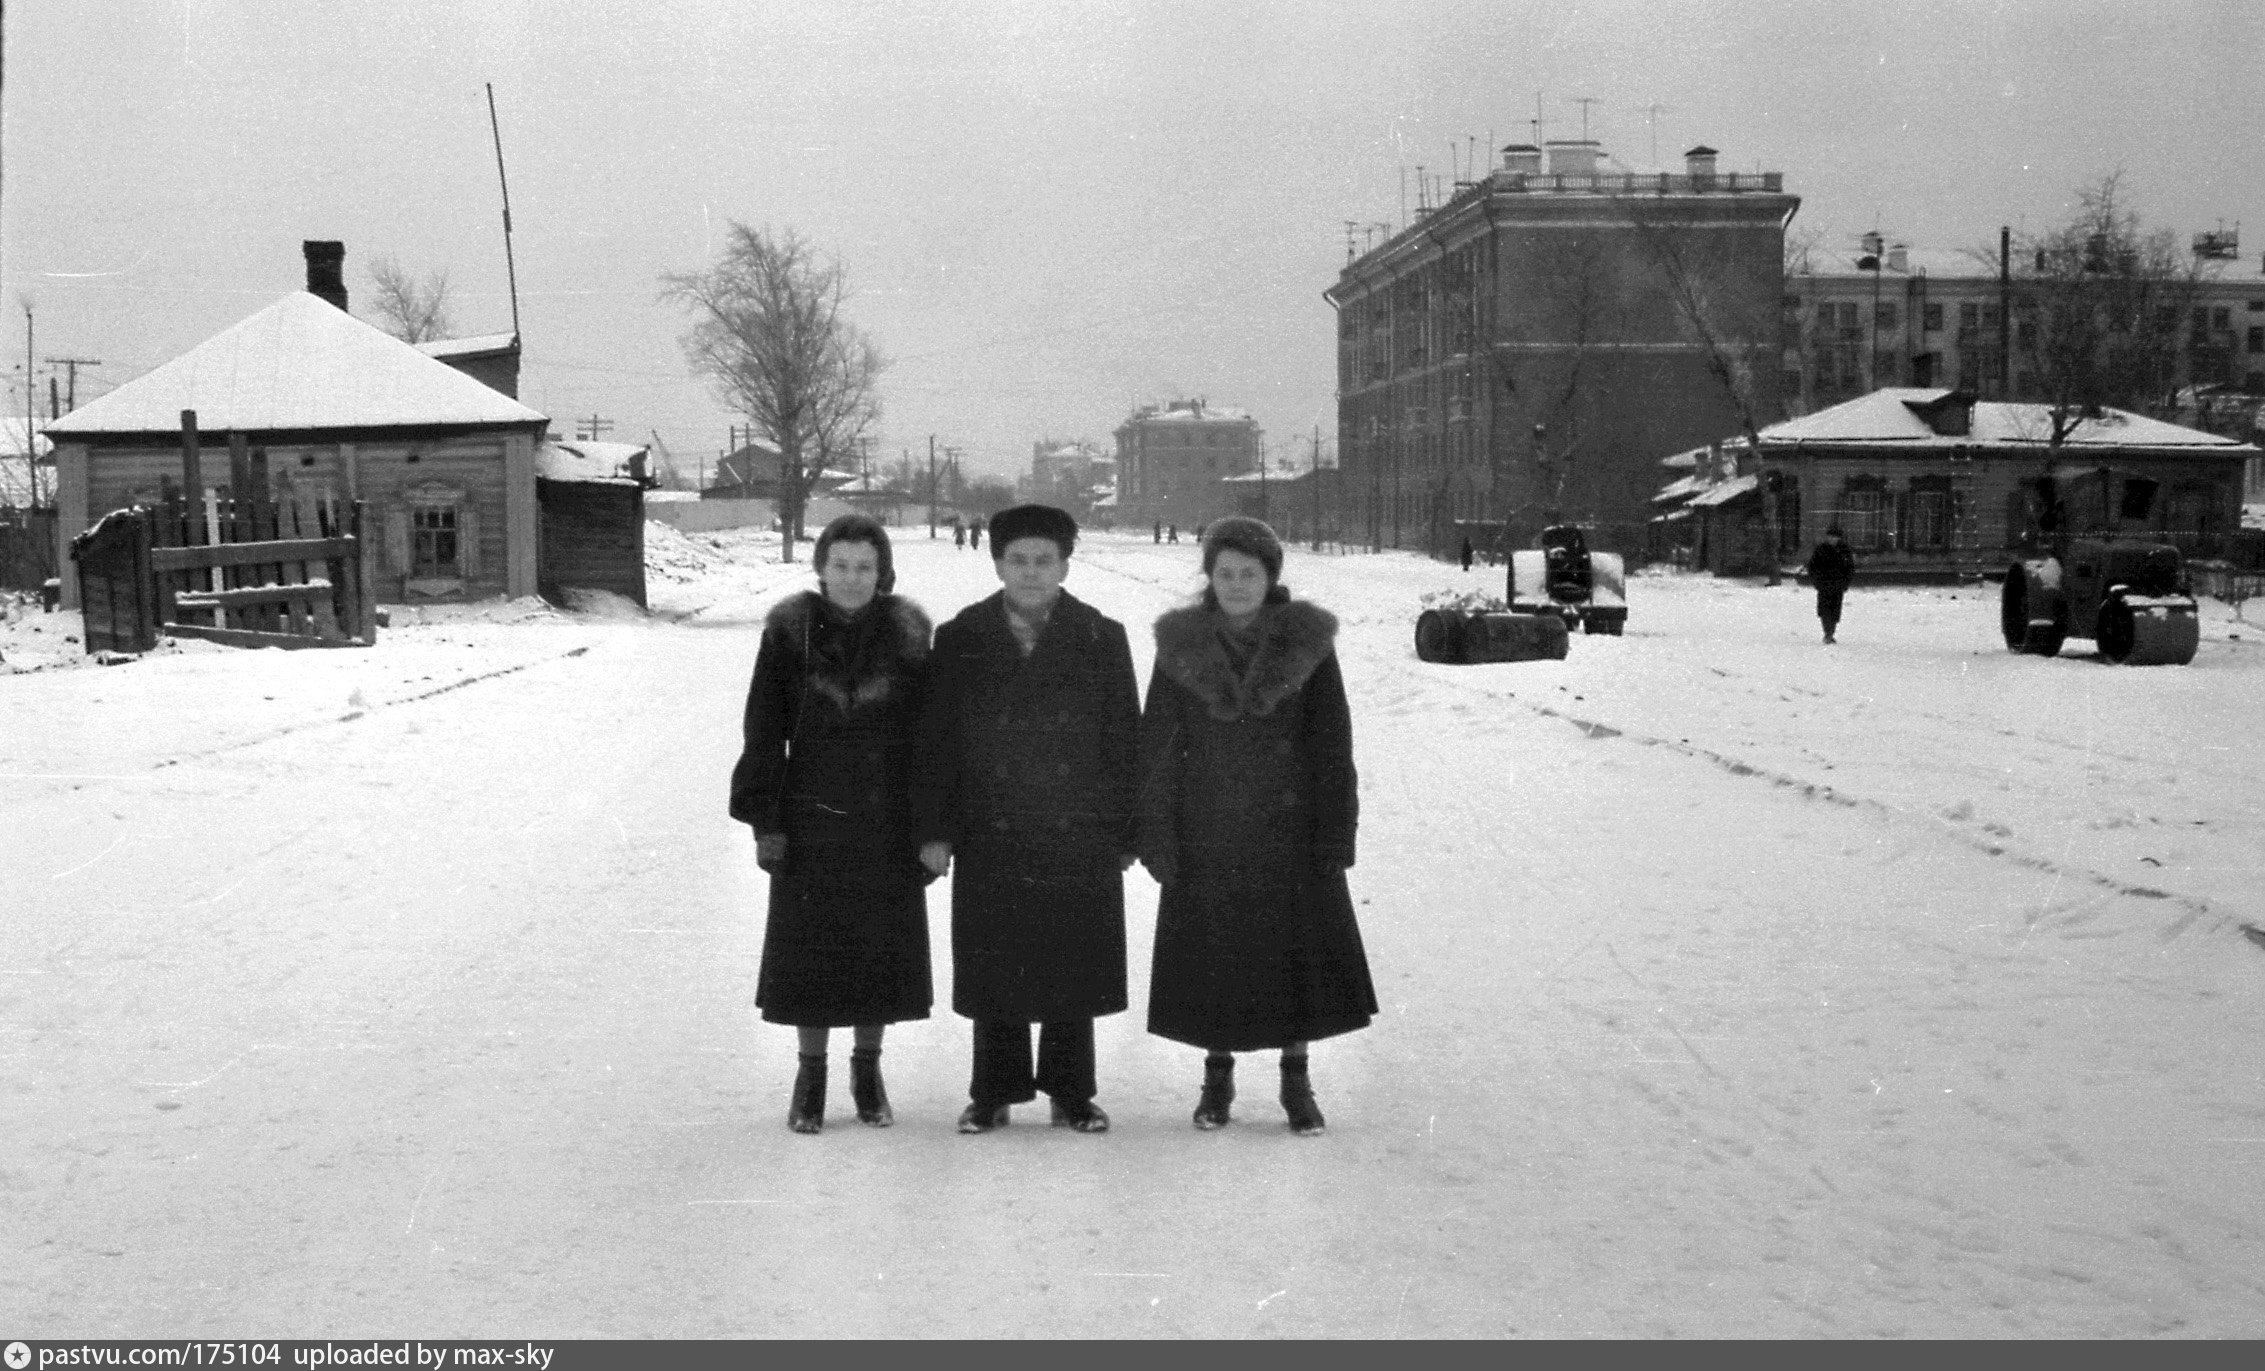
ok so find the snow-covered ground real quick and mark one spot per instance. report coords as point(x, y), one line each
point(1732, 984)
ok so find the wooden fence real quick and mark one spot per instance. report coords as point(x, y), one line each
point(251, 571)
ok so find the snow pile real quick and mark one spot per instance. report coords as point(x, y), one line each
point(673, 555)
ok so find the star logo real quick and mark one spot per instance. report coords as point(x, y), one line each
point(17, 1356)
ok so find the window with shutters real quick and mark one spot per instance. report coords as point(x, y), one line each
point(1928, 514)
point(1863, 513)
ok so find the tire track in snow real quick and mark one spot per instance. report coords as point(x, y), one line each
point(2195, 909)
point(351, 715)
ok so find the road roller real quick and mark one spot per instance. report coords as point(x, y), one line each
point(1559, 575)
point(2129, 596)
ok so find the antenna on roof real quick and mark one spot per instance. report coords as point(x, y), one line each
point(511, 270)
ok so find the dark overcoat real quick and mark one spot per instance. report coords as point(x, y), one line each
point(1028, 767)
point(830, 731)
point(1831, 566)
point(1248, 806)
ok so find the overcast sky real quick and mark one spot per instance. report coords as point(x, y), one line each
point(1049, 212)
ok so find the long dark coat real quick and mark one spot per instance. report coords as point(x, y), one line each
point(828, 760)
point(1248, 806)
point(1028, 773)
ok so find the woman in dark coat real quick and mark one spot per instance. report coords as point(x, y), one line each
point(1028, 751)
point(1247, 811)
point(825, 782)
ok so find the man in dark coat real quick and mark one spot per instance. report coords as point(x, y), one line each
point(1831, 567)
point(1029, 745)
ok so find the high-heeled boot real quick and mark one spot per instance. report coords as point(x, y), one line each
point(806, 1111)
point(866, 1090)
point(1218, 1091)
point(1297, 1098)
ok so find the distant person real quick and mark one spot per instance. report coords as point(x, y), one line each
point(1159, 530)
point(975, 535)
point(1171, 533)
point(1831, 567)
point(1466, 554)
point(959, 534)
point(824, 780)
point(1248, 805)
point(1028, 745)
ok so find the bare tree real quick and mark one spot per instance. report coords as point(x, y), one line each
point(1728, 339)
point(769, 333)
point(1558, 386)
point(413, 311)
point(2101, 302)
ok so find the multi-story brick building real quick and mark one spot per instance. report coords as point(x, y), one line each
point(1931, 317)
point(1526, 350)
point(1170, 458)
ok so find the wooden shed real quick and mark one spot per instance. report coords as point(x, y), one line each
point(444, 463)
point(590, 502)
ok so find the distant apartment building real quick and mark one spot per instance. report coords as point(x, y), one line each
point(1172, 457)
point(1887, 314)
point(1526, 350)
point(1071, 476)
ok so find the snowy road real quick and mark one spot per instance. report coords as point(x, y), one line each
point(1733, 985)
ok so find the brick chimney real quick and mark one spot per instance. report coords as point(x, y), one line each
point(326, 270)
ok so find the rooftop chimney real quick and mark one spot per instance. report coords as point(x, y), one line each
point(1572, 156)
point(326, 270)
point(1698, 164)
point(1522, 159)
point(1898, 257)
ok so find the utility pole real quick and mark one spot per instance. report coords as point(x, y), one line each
point(596, 427)
point(1314, 475)
point(931, 485)
point(71, 367)
point(31, 409)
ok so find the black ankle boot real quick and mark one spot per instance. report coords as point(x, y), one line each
point(806, 1112)
point(1218, 1091)
point(1297, 1098)
point(866, 1090)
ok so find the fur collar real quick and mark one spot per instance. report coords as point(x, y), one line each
point(1293, 639)
point(868, 677)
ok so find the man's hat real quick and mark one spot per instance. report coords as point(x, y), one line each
point(1032, 521)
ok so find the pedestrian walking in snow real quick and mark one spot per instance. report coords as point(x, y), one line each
point(1028, 747)
point(825, 780)
point(1247, 812)
point(1466, 554)
point(975, 535)
point(1831, 567)
point(959, 534)
point(1159, 531)
point(1171, 533)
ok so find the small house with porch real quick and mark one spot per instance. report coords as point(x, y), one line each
point(1930, 483)
point(444, 463)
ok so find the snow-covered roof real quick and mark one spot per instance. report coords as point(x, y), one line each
point(1841, 261)
point(1725, 492)
point(301, 363)
point(1681, 487)
point(1892, 415)
point(467, 347)
point(578, 459)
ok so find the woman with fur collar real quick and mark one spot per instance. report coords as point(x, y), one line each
point(1248, 807)
point(825, 781)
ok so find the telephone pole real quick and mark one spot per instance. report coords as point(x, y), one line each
point(931, 485)
point(597, 428)
point(71, 367)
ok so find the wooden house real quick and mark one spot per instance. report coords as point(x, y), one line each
point(590, 506)
point(445, 464)
point(1929, 483)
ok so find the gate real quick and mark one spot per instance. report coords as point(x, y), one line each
point(249, 572)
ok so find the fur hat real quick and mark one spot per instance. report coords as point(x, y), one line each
point(1031, 521)
point(857, 528)
point(1250, 537)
